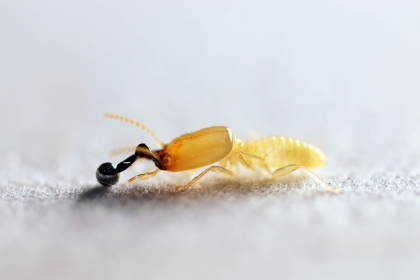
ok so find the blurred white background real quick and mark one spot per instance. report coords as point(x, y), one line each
point(341, 74)
point(318, 70)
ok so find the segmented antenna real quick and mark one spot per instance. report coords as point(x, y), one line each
point(139, 125)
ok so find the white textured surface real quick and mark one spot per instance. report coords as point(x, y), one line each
point(342, 76)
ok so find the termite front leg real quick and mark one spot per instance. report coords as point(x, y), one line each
point(122, 150)
point(292, 167)
point(218, 169)
point(144, 176)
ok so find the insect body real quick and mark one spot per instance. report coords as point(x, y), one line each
point(275, 156)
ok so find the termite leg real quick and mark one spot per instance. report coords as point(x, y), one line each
point(144, 176)
point(226, 162)
point(218, 169)
point(262, 165)
point(292, 167)
point(122, 150)
point(244, 162)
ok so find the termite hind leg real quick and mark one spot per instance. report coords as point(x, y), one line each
point(292, 167)
point(144, 176)
point(218, 169)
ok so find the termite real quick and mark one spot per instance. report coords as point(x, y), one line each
point(275, 156)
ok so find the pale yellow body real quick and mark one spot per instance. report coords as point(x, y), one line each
point(213, 144)
point(275, 156)
point(276, 152)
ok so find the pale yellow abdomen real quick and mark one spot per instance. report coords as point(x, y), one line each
point(279, 151)
point(197, 149)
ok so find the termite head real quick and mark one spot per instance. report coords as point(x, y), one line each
point(107, 173)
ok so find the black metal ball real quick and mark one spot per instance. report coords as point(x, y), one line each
point(107, 175)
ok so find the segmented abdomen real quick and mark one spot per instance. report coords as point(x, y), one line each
point(279, 151)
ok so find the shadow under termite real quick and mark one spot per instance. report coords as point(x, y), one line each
point(137, 193)
point(215, 188)
point(94, 193)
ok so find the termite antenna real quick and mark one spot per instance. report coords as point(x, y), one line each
point(139, 125)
